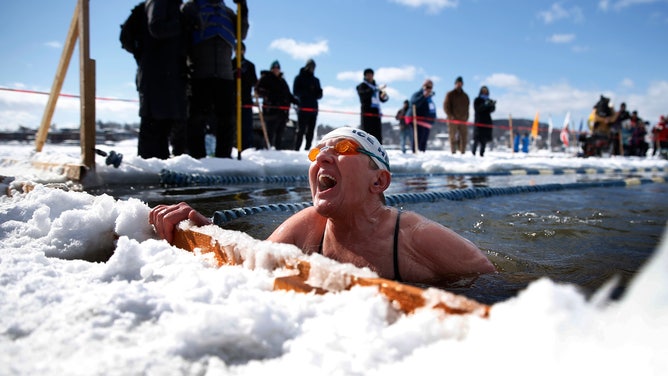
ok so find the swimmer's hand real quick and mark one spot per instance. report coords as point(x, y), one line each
point(165, 218)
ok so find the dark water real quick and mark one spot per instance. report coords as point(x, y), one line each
point(580, 236)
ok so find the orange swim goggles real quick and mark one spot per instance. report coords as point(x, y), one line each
point(343, 147)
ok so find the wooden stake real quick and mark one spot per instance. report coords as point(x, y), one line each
point(87, 88)
point(238, 78)
point(512, 140)
point(58, 80)
point(264, 127)
point(79, 28)
point(415, 137)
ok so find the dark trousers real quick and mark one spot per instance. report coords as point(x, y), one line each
point(275, 121)
point(247, 127)
point(423, 137)
point(371, 125)
point(482, 143)
point(154, 137)
point(306, 122)
point(212, 103)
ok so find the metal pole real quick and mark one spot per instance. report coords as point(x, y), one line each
point(238, 78)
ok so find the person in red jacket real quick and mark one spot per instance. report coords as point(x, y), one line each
point(660, 135)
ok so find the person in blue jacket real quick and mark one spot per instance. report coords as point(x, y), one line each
point(425, 111)
point(525, 143)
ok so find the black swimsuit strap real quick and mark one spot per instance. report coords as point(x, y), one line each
point(395, 249)
point(397, 275)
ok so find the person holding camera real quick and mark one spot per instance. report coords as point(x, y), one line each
point(482, 131)
point(425, 113)
point(371, 96)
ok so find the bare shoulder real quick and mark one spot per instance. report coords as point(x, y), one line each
point(444, 250)
point(301, 229)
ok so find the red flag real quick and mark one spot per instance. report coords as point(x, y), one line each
point(564, 130)
point(564, 135)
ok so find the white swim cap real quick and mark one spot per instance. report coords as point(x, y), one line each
point(368, 142)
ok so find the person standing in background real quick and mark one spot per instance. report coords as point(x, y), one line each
point(154, 35)
point(371, 96)
point(276, 100)
point(405, 128)
point(621, 118)
point(660, 138)
point(248, 82)
point(456, 106)
point(525, 142)
point(483, 107)
point(306, 88)
point(425, 111)
point(211, 28)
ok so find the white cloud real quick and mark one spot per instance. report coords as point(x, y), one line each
point(627, 82)
point(349, 76)
point(433, 6)
point(54, 44)
point(558, 12)
point(331, 92)
point(561, 38)
point(621, 4)
point(391, 74)
point(382, 75)
point(300, 50)
point(604, 5)
point(502, 80)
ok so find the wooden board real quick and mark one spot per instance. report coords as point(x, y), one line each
point(403, 297)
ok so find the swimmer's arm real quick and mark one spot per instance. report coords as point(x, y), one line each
point(448, 252)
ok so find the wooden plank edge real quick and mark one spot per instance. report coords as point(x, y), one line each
point(74, 172)
point(403, 297)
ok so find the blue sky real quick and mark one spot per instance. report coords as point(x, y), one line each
point(541, 56)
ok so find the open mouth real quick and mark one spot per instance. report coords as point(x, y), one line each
point(326, 182)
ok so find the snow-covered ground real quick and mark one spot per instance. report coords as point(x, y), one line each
point(155, 309)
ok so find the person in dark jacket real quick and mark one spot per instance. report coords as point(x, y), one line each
point(307, 90)
point(248, 82)
point(425, 110)
point(371, 96)
point(405, 128)
point(154, 35)
point(621, 117)
point(211, 28)
point(456, 106)
point(276, 100)
point(483, 107)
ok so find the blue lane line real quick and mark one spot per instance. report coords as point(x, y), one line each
point(169, 178)
point(222, 216)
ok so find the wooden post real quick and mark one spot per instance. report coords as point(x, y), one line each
point(262, 124)
point(87, 89)
point(239, 19)
point(512, 139)
point(415, 137)
point(57, 85)
point(79, 28)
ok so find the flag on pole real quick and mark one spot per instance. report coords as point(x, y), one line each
point(549, 133)
point(567, 119)
point(564, 130)
point(534, 128)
